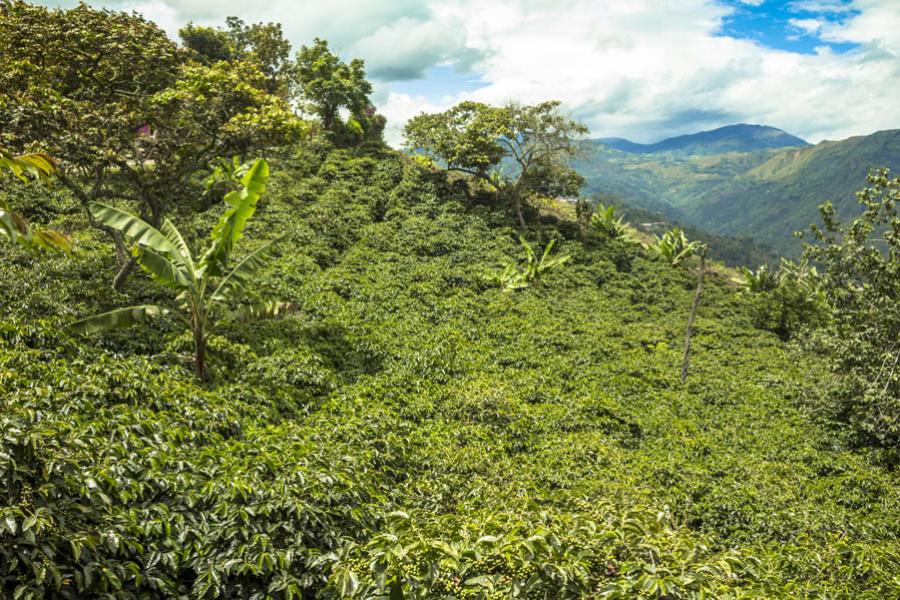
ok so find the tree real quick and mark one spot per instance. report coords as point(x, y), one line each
point(13, 226)
point(202, 285)
point(134, 119)
point(474, 138)
point(326, 85)
point(207, 44)
point(787, 301)
point(262, 44)
point(861, 282)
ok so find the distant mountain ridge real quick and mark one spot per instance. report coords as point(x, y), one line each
point(765, 194)
point(741, 137)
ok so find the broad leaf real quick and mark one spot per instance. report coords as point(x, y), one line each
point(246, 270)
point(38, 164)
point(259, 311)
point(121, 317)
point(135, 228)
point(230, 228)
point(162, 270)
point(8, 227)
point(174, 236)
point(49, 239)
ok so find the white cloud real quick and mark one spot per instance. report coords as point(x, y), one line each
point(821, 6)
point(636, 68)
point(808, 26)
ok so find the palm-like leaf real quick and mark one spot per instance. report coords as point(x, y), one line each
point(174, 236)
point(245, 271)
point(114, 319)
point(230, 228)
point(49, 239)
point(38, 164)
point(14, 226)
point(142, 233)
point(259, 311)
point(162, 270)
point(166, 257)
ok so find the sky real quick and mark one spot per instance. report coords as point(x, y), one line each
point(640, 69)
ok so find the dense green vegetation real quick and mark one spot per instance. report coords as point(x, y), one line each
point(766, 195)
point(414, 427)
point(732, 251)
point(519, 153)
point(469, 398)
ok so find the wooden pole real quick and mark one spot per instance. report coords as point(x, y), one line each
point(685, 363)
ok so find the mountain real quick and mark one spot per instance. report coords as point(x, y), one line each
point(766, 194)
point(731, 138)
point(782, 195)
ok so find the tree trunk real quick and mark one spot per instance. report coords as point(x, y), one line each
point(685, 363)
point(123, 273)
point(517, 205)
point(200, 356)
point(124, 262)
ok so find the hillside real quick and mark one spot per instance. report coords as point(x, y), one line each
point(782, 195)
point(413, 431)
point(731, 138)
point(765, 195)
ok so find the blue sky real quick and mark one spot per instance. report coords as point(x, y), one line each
point(773, 24)
point(641, 69)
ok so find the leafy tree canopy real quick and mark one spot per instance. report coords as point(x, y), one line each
point(476, 138)
point(129, 116)
point(325, 85)
point(262, 44)
point(861, 281)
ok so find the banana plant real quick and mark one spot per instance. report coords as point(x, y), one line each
point(674, 247)
point(516, 278)
point(604, 221)
point(13, 226)
point(204, 287)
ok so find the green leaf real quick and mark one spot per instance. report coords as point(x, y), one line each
point(48, 239)
point(246, 270)
point(346, 582)
point(136, 229)
point(121, 317)
point(259, 311)
point(230, 228)
point(174, 236)
point(162, 270)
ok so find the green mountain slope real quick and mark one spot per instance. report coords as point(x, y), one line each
point(782, 195)
point(766, 195)
point(731, 138)
point(413, 431)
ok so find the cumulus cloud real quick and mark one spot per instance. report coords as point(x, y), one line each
point(642, 69)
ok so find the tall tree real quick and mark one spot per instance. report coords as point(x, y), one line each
point(262, 44)
point(131, 117)
point(475, 138)
point(326, 85)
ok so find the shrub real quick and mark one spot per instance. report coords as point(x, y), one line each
point(862, 283)
point(788, 301)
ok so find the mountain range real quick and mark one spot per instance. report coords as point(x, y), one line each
point(732, 138)
point(742, 180)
